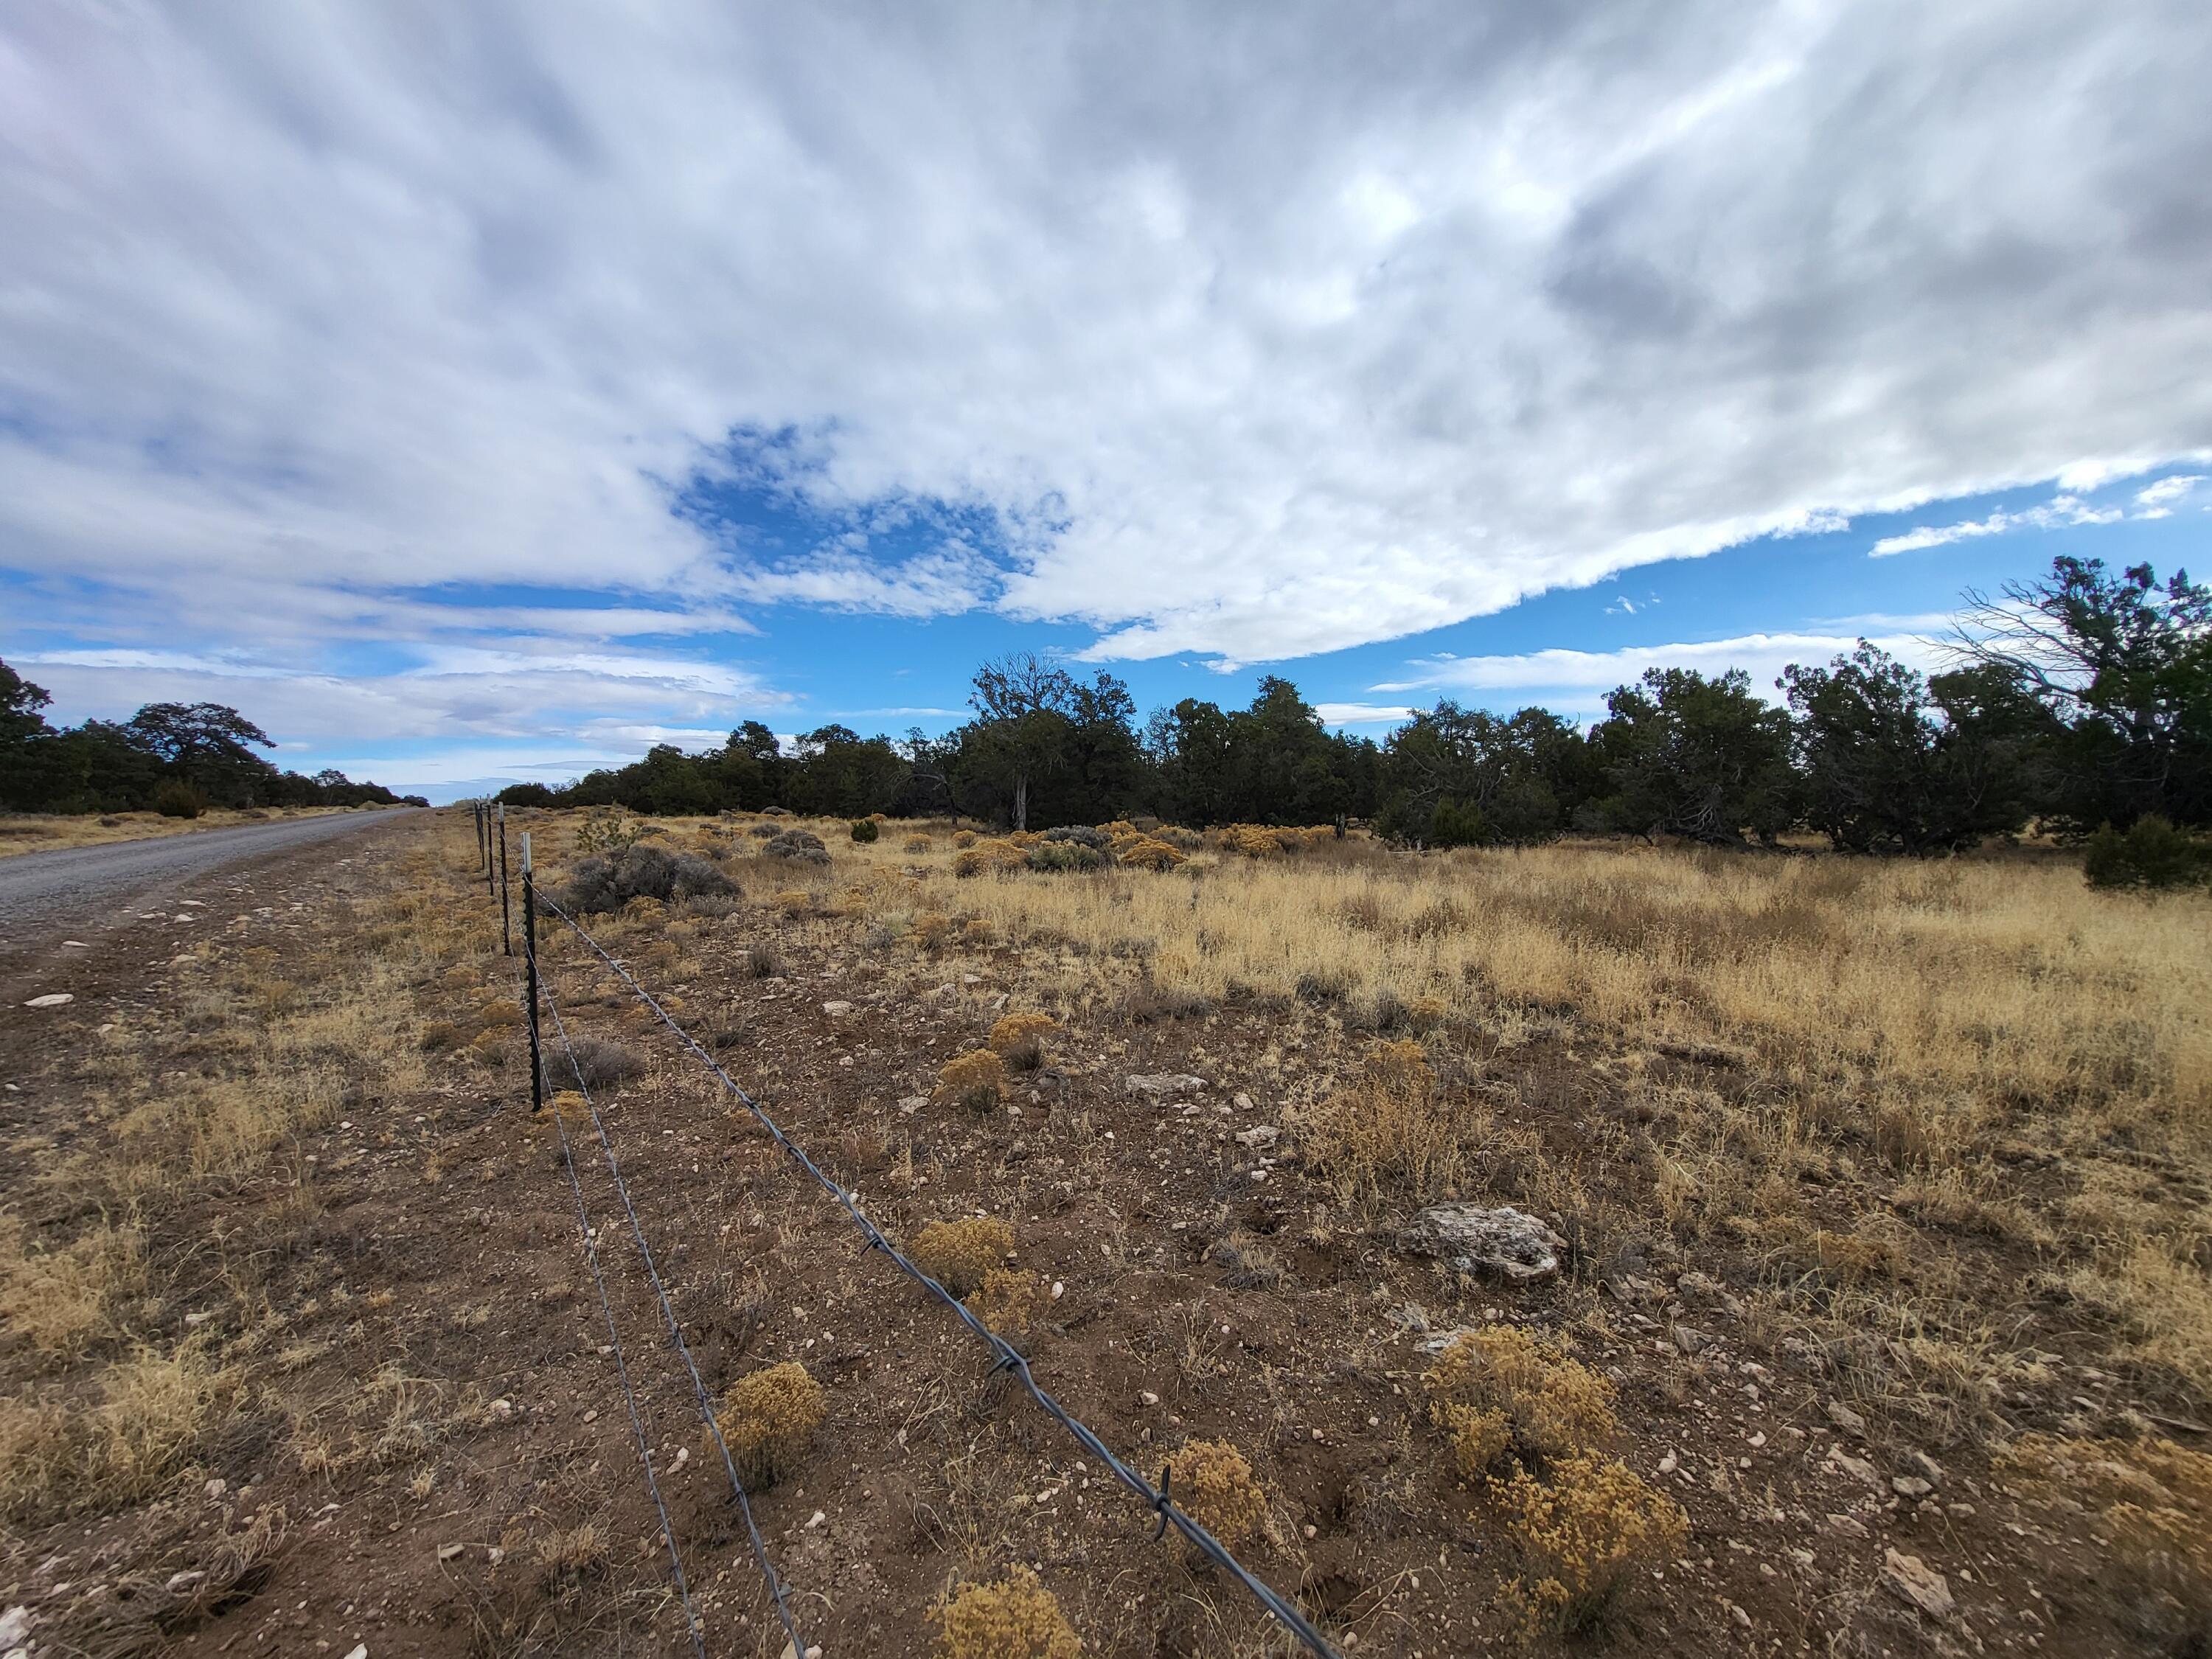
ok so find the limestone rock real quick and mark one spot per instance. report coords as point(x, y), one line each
point(1159, 1085)
point(1916, 1584)
point(51, 1000)
point(1260, 1134)
point(1476, 1239)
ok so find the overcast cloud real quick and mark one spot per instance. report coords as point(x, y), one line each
point(1255, 331)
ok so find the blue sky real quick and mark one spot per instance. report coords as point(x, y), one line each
point(485, 392)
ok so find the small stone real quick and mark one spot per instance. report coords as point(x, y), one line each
point(1844, 1418)
point(1059, 1290)
point(816, 1519)
point(1915, 1583)
point(1161, 1085)
point(447, 1551)
point(1910, 1486)
point(1149, 1398)
point(1857, 1467)
point(180, 1582)
point(360, 1651)
point(837, 1010)
point(911, 1104)
point(51, 1000)
point(1243, 1100)
point(1928, 1468)
point(1473, 1237)
point(1669, 1463)
point(216, 1488)
point(591, 1416)
point(1848, 1525)
point(503, 1409)
point(1260, 1134)
point(1692, 1340)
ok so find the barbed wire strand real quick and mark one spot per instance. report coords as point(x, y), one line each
point(1009, 1358)
point(675, 1328)
point(630, 1398)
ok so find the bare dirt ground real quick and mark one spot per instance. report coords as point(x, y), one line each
point(39, 832)
point(301, 1357)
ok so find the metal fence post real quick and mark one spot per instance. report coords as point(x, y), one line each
point(505, 930)
point(530, 974)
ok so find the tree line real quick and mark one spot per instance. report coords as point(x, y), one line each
point(2080, 700)
point(172, 757)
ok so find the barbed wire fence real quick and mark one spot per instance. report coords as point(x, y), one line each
point(1006, 1359)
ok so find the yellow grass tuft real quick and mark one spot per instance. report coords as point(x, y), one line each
point(1504, 1389)
point(1582, 1538)
point(769, 1420)
point(989, 858)
point(1211, 1481)
point(1015, 1618)
point(1011, 1301)
point(960, 1254)
point(976, 1079)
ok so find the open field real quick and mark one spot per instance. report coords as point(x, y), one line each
point(1880, 1188)
point(39, 832)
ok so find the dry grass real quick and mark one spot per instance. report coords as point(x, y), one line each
point(1394, 1135)
point(1014, 1618)
point(149, 1415)
point(1010, 1302)
point(976, 1080)
point(960, 1254)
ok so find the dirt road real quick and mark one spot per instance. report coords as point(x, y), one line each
point(76, 892)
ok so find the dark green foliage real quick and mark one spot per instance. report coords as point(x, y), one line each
point(1054, 856)
point(175, 799)
point(609, 881)
point(1700, 758)
point(1472, 779)
point(864, 829)
point(525, 794)
point(796, 847)
point(2149, 854)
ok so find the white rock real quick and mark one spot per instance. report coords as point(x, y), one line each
point(1260, 1134)
point(1916, 1584)
point(16, 1627)
point(360, 1651)
point(51, 1000)
point(837, 1010)
point(1473, 1238)
point(447, 1551)
point(1158, 1085)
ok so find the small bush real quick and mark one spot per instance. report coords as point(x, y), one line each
point(1080, 835)
point(976, 1079)
point(1010, 1300)
point(1212, 1483)
point(962, 838)
point(988, 858)
point(764, 831)
point(865, 829)
point(1019, 1039)
point(933, 930)
point(1016, 1618)
point(1146, 853)
point(607, 882)
point(918, 843)
point(1055, 857)
point(768, 1420)
point(609, 832)
point(960, 1254)
point(1504, 1389)
point(2150, 854)
point(762, 962)
point(796, 847)
point(603, 1064)
point(1582, 1539)
point(176, 798)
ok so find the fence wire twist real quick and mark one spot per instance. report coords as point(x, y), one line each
point(675, 1327)
point(1008, 1359)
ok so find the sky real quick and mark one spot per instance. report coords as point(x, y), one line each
point(472, 392)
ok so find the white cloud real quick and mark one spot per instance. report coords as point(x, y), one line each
point(2157, 500)
point(1266, 334)
point(2061, 511)
point(1363, 713)
point(1578, 680)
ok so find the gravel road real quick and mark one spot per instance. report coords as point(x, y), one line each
point(80, 888)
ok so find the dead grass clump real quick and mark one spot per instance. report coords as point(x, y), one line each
point(1211, 1482)
point(1393, 1136)
point(599, 1063)
point(1019, 1039)
point(976, 1080)
point(1504, 1389)
point(154, 1414)
point(919, 843)
point(1582, 1536)
point(960, 1254)
point(1015, 1618)
point(58, 1299)
point(768, 1420)
point(793, 901)
point(964, 838)
point(933, 930)
point(989, 858)
point(1011, 1301)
